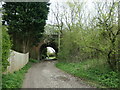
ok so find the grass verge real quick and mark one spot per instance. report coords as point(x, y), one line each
point(34, 60)
point(15, 80)
point(95, 71)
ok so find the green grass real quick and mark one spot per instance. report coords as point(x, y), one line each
point(34, 60)
point(15, 80)
point(95, 71)
point(52, 57)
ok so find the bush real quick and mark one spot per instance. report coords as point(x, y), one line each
point(110, 79)
point(75, 45)
point(6, 45)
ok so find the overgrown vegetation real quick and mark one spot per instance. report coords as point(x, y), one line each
point(89, 45)
point(99, 39)
point(88, 38)
point(90, 71)
point(6, 46)
point(15, 80)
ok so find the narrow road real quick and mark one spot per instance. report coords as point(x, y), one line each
point(46, 75)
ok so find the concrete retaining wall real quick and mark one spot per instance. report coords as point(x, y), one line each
point(17, 61)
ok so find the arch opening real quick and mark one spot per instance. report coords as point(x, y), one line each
point(51, 53)
point(48, 52)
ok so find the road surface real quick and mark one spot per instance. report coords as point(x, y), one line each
point(46, 75)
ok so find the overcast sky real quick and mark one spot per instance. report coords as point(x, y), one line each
point(50, 49)
point(89, 6)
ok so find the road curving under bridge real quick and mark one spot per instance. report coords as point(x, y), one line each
point(46, 75)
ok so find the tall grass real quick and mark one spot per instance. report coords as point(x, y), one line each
point(93, 70)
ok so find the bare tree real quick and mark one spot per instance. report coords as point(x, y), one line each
point(107, 23)
point(67, 15)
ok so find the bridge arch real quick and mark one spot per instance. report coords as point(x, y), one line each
point(44, 46)
point(35, 52)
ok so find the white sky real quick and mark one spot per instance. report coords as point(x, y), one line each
point(89, 6)
point(51, 50)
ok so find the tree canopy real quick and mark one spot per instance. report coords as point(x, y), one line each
point(25, 22)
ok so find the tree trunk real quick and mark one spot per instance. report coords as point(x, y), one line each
point(111, 58)
point(119, 36)
point(24, 47)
